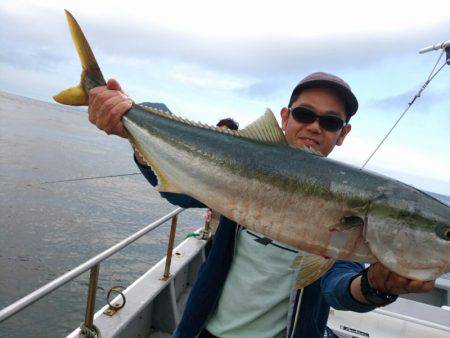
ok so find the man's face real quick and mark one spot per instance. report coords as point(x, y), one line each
point(322, 101)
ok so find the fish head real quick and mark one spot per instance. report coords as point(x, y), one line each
point(409, 233)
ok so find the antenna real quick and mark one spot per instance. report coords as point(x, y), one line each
point(445, 46)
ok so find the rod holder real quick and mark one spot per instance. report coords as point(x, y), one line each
point(442, 45)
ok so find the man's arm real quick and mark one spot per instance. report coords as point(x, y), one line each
point(343, 291)
point(336, 289)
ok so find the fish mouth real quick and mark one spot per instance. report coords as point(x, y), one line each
point(425, 274)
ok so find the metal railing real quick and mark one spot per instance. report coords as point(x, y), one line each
point(93, 264)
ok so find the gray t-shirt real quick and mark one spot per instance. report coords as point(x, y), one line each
point(255, 298)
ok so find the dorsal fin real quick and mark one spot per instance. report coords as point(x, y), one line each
point(264, 129)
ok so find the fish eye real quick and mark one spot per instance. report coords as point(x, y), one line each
point(443, 232)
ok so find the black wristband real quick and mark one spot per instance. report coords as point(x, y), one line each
point(374, 296)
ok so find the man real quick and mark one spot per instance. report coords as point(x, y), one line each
point(245, 287)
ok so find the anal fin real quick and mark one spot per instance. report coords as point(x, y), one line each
point(311, 267)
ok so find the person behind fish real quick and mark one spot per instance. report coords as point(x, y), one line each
point(245, 287)
point(212, 216)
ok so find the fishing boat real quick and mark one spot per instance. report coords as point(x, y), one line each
point(153, 304)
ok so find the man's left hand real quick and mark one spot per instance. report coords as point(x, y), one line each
point(386, 281)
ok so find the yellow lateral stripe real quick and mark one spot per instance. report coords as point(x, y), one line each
point(163, 182)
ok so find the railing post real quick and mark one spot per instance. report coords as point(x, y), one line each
point(173, 228)
point(90, 304)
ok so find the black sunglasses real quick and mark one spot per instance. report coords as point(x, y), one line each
point(327, 122)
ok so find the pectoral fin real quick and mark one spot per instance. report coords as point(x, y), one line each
point(311, 267)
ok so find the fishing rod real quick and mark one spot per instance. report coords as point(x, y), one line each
point(90, 178)
point(445, 46)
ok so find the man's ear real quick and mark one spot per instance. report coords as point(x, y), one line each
point(344, 132)
point(284, 117)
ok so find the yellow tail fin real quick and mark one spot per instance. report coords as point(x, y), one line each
point(91, 76)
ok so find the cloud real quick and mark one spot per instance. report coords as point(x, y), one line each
point(31, 57)
point(258, 67)
point(257, 56)
point(30, 44)
point(263, 88)
point(262, 56)
point(201, 79)
point(423, 103)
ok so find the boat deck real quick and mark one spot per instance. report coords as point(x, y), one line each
point(154, 306)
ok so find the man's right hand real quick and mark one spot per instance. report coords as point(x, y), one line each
point(107, 105)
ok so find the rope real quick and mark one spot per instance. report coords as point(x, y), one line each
point(430, 78)
point(85, 332)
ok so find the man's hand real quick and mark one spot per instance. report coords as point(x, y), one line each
point(386, 281)
point(107, 105)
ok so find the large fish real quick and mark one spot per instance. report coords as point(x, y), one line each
point(327, 209)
